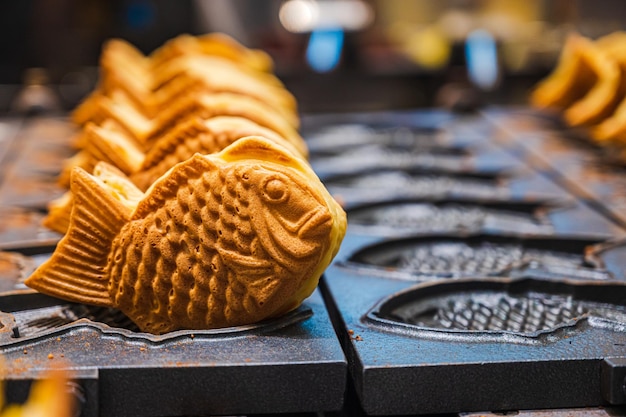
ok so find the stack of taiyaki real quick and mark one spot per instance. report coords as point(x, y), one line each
point(588, 85)
point(191, 203)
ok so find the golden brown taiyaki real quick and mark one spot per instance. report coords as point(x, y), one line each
point(196, 135)
point(60, 209)
point(198, 73)
point(191, 134)
point(219, 240)
point(585, 84)
point(214, 44)
point(189, 137)
point(145, 131)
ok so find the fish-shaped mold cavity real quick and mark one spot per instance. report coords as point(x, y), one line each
point(441, 255)
point(344, 138)
point(501, 307)
point(220, 240)
point(416, 183)
point(399, 217)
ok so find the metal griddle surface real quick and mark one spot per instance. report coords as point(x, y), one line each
point(446, 340)
point(291, 364)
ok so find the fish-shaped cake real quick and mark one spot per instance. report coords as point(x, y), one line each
point(220, 240)
point(214, 44)
point(99, 108)
point(194, 135)
point(199, 73)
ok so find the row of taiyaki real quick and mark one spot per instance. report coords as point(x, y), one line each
point(190, 208)
point(214, 91)
point(588, 85)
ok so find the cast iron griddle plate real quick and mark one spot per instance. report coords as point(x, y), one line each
point(442, 256)
point(523, 310)
point(14, 269)
point(290, 364)
point(22, 229)
point(380, 157)
point(38, 151)
point(374, 185)
point(341, 138)
point(404, 216)
point(567, 155)
point(404, 368)
point(522, 217)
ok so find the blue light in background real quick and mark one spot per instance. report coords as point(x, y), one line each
point(324, 49)
point(140, 14)
point(481, 55)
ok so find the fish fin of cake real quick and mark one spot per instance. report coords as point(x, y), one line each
point(167, 186)
point(76, 271)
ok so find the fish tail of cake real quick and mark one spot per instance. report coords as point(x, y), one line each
point(113, 147)
point(77, 269)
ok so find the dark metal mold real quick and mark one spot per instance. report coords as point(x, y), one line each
point(398, 217)
point(368, 157)
point(529, 217)
point(445, 256)
point(22, 229)
point(384, 184)
point(401, 368)
point(341, 138)
point(14, 269)
point(507, 310)
point(289, 364)
point(34, 191)
point(530, 319)
point(33, 316)
point(584, 169)
point(378, 157)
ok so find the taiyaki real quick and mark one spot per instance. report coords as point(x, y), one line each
point(614, 127)
point(110, 143)
point(215, 44)
point(585, 83)
point(199, 73)
point(145, 131)
point(220, 240)
point(60, 209)
point(196, 135)
point(191, 136)
point(59, 212)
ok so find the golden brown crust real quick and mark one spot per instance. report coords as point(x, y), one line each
point(196, 135)
point(222, 240)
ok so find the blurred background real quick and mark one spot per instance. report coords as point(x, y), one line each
point(334, 55)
